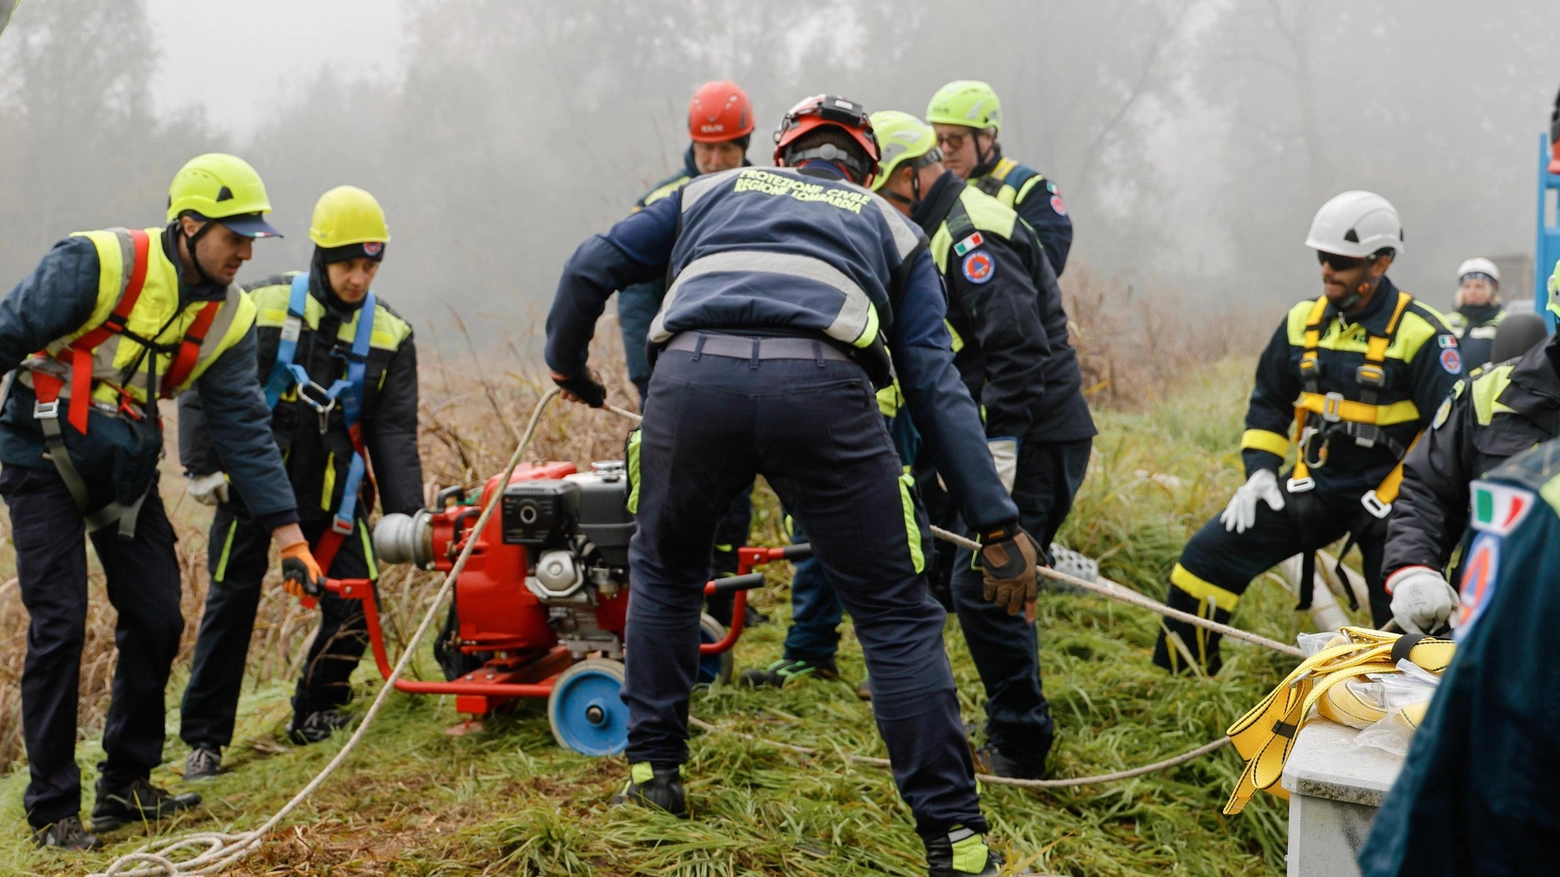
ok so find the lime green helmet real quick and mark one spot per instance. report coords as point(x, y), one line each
point(348, 215)
point(966, 102)
point(1554, 291)
point(222, 187)
point(902, 137)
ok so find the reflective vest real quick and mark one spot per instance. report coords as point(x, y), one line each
point(777, 247)
point(140, 344)
point(1009, 182)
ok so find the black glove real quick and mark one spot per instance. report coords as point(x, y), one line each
point(585, 386)
point(1008, 559)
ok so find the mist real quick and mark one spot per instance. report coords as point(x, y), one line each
point(1192, 139)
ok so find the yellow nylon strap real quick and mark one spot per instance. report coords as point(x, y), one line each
point(1358, 412)
point(1387, 491)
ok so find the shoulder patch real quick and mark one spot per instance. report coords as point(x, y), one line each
point(1446, 341)
point(1058, 205)
point(1451, 361)
point(1481, 572)
point(1050, 187)
point(979, 267)
point(965, 246)
point(1499, 508)
point(1442, 413)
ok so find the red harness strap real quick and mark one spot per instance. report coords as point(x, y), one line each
point(189, 348)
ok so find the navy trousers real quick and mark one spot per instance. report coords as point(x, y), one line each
point(238, 558)
point(812, 429)
point(142, 575)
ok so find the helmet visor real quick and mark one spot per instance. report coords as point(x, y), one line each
point(250, 225)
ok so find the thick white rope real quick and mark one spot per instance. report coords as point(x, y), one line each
point(224, 850)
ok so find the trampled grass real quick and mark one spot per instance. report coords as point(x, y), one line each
point(509, 801)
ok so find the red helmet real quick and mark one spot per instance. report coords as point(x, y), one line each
point(719, 111)
point(826, 109)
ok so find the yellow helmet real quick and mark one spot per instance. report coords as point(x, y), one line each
point(225, 188)
point(966, 102)
point(902, 137)
point(348, 215)
point(1554, 291)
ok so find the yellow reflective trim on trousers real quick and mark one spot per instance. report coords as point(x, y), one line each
point(912, 527)
point(330, 481)
point(1404, 411)
point(1263, 440)
point(1203, 590)
point(227, 550)
point(368, 550)
point(633, 472)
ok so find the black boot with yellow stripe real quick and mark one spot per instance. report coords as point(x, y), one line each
point(1186, 648)
point(657, 787)
point(961, 851)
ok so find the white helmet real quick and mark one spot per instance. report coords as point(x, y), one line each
point(1356, 224)
point(1478, 266)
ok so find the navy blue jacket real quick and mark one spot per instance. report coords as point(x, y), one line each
point(1034, 198)
point(726, 215)
point(57, 298)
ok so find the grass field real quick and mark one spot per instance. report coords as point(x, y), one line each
point(415, 801)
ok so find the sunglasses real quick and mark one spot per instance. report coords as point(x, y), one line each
point(1339, 263)
point(954, 142)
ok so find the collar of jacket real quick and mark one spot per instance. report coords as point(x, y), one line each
point(1478, 315)
point(937, 202)
point(188, 292)
point(1536, 371)
point(1377, 313)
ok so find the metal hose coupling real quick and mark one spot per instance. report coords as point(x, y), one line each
point(402, 538)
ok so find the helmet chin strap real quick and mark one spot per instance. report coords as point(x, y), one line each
point(1353, 299)
point(914, 201)
point(189, 244)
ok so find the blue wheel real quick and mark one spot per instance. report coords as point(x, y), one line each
point(586, 711)
point(713, 668)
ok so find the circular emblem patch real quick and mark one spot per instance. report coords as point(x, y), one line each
point(1058, 205)
point(978, 267)
point(1441, 414)
point(372, 248)
point(1480, 572)
point(1451, 360)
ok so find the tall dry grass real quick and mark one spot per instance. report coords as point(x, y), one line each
point(1134, 351)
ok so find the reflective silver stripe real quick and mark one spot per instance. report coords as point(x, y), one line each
point(702, 185)
point(849, 322)
point(906, 236)
point(226, 313)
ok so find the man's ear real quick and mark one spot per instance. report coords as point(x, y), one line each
point(1378, 267)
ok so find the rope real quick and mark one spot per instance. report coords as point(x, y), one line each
point(224, 849)
point(983, 777)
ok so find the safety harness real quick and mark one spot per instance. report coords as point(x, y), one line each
point(50, 374)
point(1321, 417)
point(1265, 736)
point(348, 391)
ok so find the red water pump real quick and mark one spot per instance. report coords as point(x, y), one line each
point(539, 607)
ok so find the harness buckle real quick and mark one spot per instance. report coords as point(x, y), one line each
point(1370, 375)
point(46, 410)
point(344, 527)
point(1301, 485)
point(1374, 504)
point(1332, 405)
point(1365, 435)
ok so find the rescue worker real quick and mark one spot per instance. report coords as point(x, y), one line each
point(1358, 373)
point(108, 323)
point(1477, 311)
point(720, 128)
point(341, 380)
point(968, 119)
point(1474, 796)
point(1009, 334)
point(1488, 419)
point(788, 288)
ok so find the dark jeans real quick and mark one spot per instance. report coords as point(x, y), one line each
point(812, 429)
point(238, 558)
point(142, 575)
point(730, 534)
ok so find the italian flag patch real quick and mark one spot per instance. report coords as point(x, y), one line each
point(1499, 509)
point(969, 243)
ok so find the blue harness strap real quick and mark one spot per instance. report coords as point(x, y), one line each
point(286, 374)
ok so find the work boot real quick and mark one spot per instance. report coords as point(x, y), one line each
point(316, 726)
point(864, 690)
point(203, 763)
point(65, 834)
point(990, 760)
point(138, 802)
point(783, 672)
point(961, 851)
point(1201, 644)
point(660, 788)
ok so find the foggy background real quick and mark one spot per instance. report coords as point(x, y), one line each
point(1192, 139)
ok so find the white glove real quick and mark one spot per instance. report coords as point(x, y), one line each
point(208, 489)
point(1004, 454)
point(1241, 513)
point(1422, 600)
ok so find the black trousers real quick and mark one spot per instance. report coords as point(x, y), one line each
point(238, 558)
point(143, 585)
point(812, 428)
